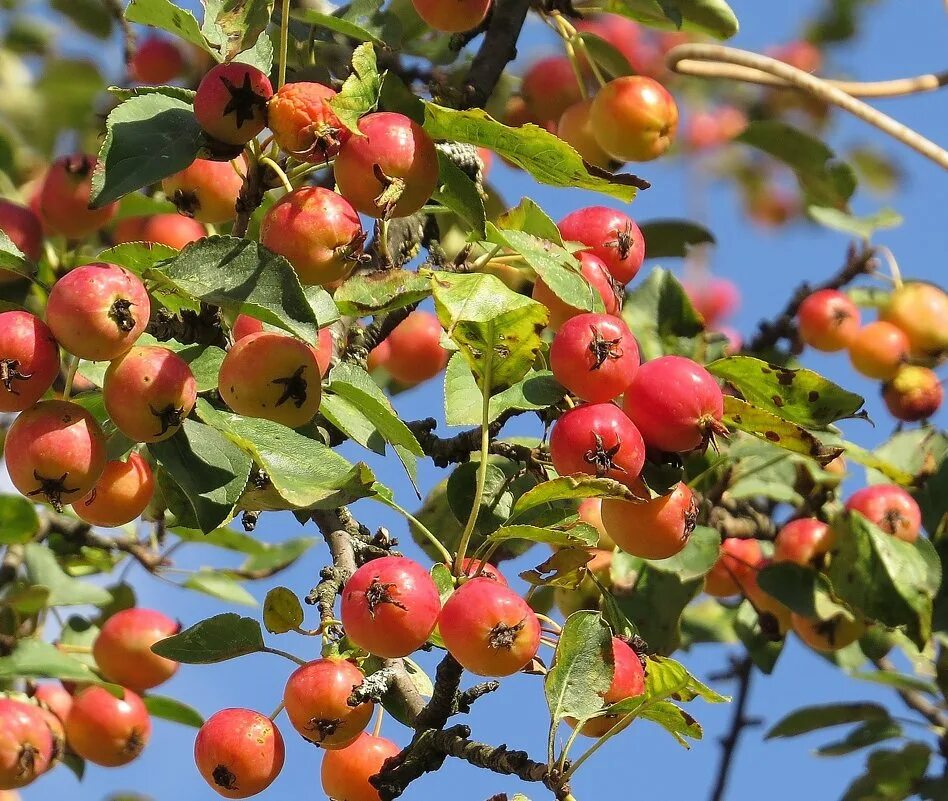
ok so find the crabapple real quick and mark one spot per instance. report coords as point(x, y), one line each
point(805, 541)
point(239, 752)
point(914, 394)
point(597, 276)
point(828, 320)
point(389, 171)
point(453, 17)
point(590, 511)
point(878, 350)
point(26, 743)
point(123, 648)
point(246, 325)
point(626, 37)
point(29, 360)
point(317, 231)
point(628, 681)
point(207, 190)
point(304, 124)
point(714, 298)
point(379, 356)
point(516, 113)
point(390, 606)
point(738, 560)
point(231, 102)
point(655, 529)
point(64, 198)
point(156, 61)
point(57, 731)
point(415, 352)
point(173, 230)
point(610, 235)
point(634, 118)
point(148, 392)
point(594, 356)
point(889, 507)
point(489, 629)
point(733, 341)
point(921, 311)
point(316, 700)
point(106, 730)
point(487, 161)
point(827, 635)
point(597, 439)
point(55, 450)
point(98, 310)
point(120, 495)
point(470, 565)
point(345, 773)
point(774, 617)
point(273, 376)
point(24, 229)
point(55, 698)
point(576, 129)
point(549, 88)
point(675, 403)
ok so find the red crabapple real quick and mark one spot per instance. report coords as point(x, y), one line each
point(805, 541)
point(26, 743)
point(597, 276)
point(55, 451)
point(123, 648)
point(316, 700)
point(921, 311)
point(29, 360)
point(148, 392)
point(471, 565)
point(594, 356)
point(610, 235)
point(626, 37)
point(714, 299)
point(207, 190)
point(389, 171)
point(914, 394)
point(239, 752)
point(827, 635)
point(628, 681)
point(390, 607)
point(549, 88)
point(55, 698)
point(675, 403)
point(173, 230)
point(828, 320)
point(739, 559)
point(890, 507)
point(106, 730)
point(245, 325)
point(303, 123)
point(231, 102)
point(378, 356)
point(156, 61)
point(415, 352)
point(600, 440)
point(576, 129)
point(489, 629)
point(878, 350)
point(128, 229)
point(64, 198)
point(317, 231)
point(634, 118)
point(655, 529)
point(97, 311)
point(120, 495)
point(57, 731)
point(453, 17)
point(24, 229)
point(345, 773)
point(273, 376)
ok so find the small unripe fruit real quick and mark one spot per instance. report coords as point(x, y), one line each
point(273, 376)
point(415, 352)
point(656, 529)
point(828, 320)
point(29, 360)
point(97, 311)
point(123, 648)
point(24, 229)
point(106, 730)
point(576, 129)
point(878, 350)
point(173, 230)
point(914, 394)
point(207, 190)
point(389, 171)
point(599, 440)
point(489, 629)
point(597, 276)
point(549, 88)
point(594, 356)
point(55, 451)
point(231, 102)
point(452, 16)
point(738, 561)
point(64, 198)
point(634, 118)
point(316, 697)
point(304, 124)
point(317, 231)
point(121, 494)
point(890, 507)
point(345, 773)
point(610, 235)
point(26, 744)
point(628, 681)
point(921, 311)
point(239, 752)
point(156, 61)
point(805, 541)
point(148, 392)
point(828, 635)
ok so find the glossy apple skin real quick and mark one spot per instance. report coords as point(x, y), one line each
point(345, 773)
point(890, 507)
point(106, 730)
point(828, 320)
point(29, 356)
point(634, 118)
point(26, 744)
point(123, 648)
point(611, 235)
point(628, 681)
point(656, 529)
point(315, 698)
point(239, 752)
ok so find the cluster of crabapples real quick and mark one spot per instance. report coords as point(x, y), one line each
point(108, 725)
point(899, 349)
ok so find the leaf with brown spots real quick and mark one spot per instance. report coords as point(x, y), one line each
point(766, 425)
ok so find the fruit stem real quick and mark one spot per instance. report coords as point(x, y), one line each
point(70, 376)
point(382, 238)
point(279, 171)
point(481, 474)
point(557, 628)
point(277, 711)
point(893, 265)
point(268, 650)
point(435, 542)
point(377, 729)
point(573, 59)
point(284, 40)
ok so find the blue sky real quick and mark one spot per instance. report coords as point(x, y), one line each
point(899, 39)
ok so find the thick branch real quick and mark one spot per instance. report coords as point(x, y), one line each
point(497, 50)
point(456, 449)
point(742, 671)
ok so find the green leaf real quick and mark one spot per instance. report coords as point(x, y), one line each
point(208, 469)
point(12, 258)
point(219, 584)
point(891, 775)
point(801, 589)
point(761, 647)
point(497, 329)
point(695, 559)
point(668, 239)
point(767, 426)
point(548, 159)
point(864, 735)
point(566, 568)
point(863, 227)
point(569, 488)
point(660, 315)
point(800, 396)
point(337, 24)
point(360, 92)
point(496, 501)
point(582, 671)
point(123, 93)
point(605, 54)
point(169, 17)
point(459, 193)
point(161, 706)
point(25, 599)
point(877, 465)
point(277, 556)
point(79, 632)
point(69, 88)
point(282, 611)
point(529, 218)
point(259, 56)
point(33, 658)
point(18, 520)
point(213, 640)
point(64, 590)
point(232, 26)
point(678, 723)
point(366, 294)
point(900, 680)
point(713, 17)
point(824, 180)
point(812, 718)
point(90, 16)
point(581, 534)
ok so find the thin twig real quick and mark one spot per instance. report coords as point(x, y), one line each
point(741, 671)
point(915, 700)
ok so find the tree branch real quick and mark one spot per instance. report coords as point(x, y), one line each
point(128, 35)
point(497, 50)
point(914, 700)
point(741, 671)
